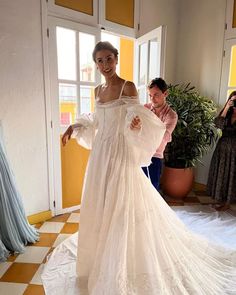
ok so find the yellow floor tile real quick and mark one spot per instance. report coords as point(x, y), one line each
point(60, 218)
point(20, 273)
point(48, 255)
point(12, 258)
point(76, 211)
point(46, 239)
point(38, 225)
point(34, 290)
point(70, 228)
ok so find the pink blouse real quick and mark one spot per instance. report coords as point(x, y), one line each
point(169, 117)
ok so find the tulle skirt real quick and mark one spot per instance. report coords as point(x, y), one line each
point(15, 231)
point(131, 242)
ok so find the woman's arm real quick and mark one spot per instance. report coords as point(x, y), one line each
point(221, 118)
point(229, 104)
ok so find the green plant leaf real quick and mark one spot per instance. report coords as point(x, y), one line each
point(195, 131)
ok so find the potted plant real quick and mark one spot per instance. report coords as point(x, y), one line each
point(194, 134)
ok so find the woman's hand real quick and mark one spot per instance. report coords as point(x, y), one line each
point(228, 105)
point(136, 123)
point(230, 102)
point(67, 135)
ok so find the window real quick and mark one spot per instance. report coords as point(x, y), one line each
point(76, 73)
point(149, 60)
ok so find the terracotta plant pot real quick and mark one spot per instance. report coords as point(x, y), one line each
point(177, 182)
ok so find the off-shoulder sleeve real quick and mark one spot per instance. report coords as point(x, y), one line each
point(144, 142)
point(85, 130)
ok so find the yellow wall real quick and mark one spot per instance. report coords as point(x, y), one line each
point(120, 12)
point(39, 217)
point(126, 58)
point(85, 6)
point(234, 15)
point(74, 160)
point(232, 75)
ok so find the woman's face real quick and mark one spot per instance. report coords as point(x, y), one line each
point(106, 62)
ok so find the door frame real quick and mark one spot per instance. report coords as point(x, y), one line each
point(53, 22)
point(159, 34)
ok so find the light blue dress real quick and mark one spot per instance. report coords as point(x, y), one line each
point(15, 231)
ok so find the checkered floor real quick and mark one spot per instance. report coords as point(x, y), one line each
point(21, 273)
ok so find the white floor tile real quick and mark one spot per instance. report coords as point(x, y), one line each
point(12, 288)
point(51, 227)
point(60, 239)
point(4, 267)
point(36, 280)
point(74, 218)
point(33, 255)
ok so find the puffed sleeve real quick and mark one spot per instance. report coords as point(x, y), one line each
point(144, 142)
point(85, 130)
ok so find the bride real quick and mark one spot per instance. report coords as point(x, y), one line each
point(130, 241)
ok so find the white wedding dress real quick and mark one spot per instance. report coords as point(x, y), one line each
point(130, 241)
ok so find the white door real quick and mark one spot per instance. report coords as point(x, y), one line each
point(72, 80)
point(149, 59)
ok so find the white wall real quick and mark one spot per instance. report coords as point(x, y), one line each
point(195, 38)
point(200, 49)
point(22, 107)
point(154, 13)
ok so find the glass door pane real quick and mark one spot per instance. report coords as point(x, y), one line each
point(142, 94)
point(154, 64)
point(68, 105)
point(76, 77)
point(143, 61)
point(149, 64)
point(87, 66)
point(86, 99)
point(66, 54)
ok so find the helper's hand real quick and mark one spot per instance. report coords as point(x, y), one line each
point(136, 123)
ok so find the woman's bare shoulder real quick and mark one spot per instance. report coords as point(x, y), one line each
point(96, 90)
point(130, 89)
